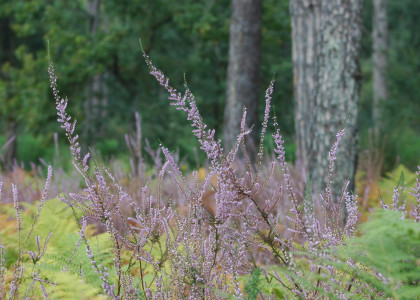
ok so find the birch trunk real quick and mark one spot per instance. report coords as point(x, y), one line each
point(326, 46)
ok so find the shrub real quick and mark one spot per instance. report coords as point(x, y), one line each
point(162, 252)
point(381, 263)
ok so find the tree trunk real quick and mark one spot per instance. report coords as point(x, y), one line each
point(380, 61)
point(95, 106)
point(326, 46)
point(8, 41)
point(243, 72)
point(10, 151)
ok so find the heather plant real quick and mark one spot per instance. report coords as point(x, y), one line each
point(31, 182)
point(382, 263)
point(262, 237)
point(54, 264)
point(393, 189)
point(202, 254)
point(21, 249)
point(398, 186)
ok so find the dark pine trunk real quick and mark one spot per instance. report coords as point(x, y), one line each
point(8, 44)
point(243, 72)
point(96, 104)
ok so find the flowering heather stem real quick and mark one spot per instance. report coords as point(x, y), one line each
point(65, 119)
point(17, 210)
point(416, 194)
point(2, 269)
point(18, 272)
point(279, 150)
point(230, 157)
point(332, 157)
point(41, 204)
point(268, 94)
point(102, 272)
point(186, 103)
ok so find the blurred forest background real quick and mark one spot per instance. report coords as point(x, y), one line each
point(95, 47)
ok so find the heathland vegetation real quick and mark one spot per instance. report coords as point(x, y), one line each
point(171, 209)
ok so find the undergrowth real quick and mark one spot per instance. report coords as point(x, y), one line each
point(238, 230)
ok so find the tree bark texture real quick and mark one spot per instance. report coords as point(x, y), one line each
point(95, 106)
point(380, 61)
point(326, 38)
point(243, 72)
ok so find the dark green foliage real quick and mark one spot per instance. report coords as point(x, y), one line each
point(252, 287)
point(187, 37)
point(402, 109)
